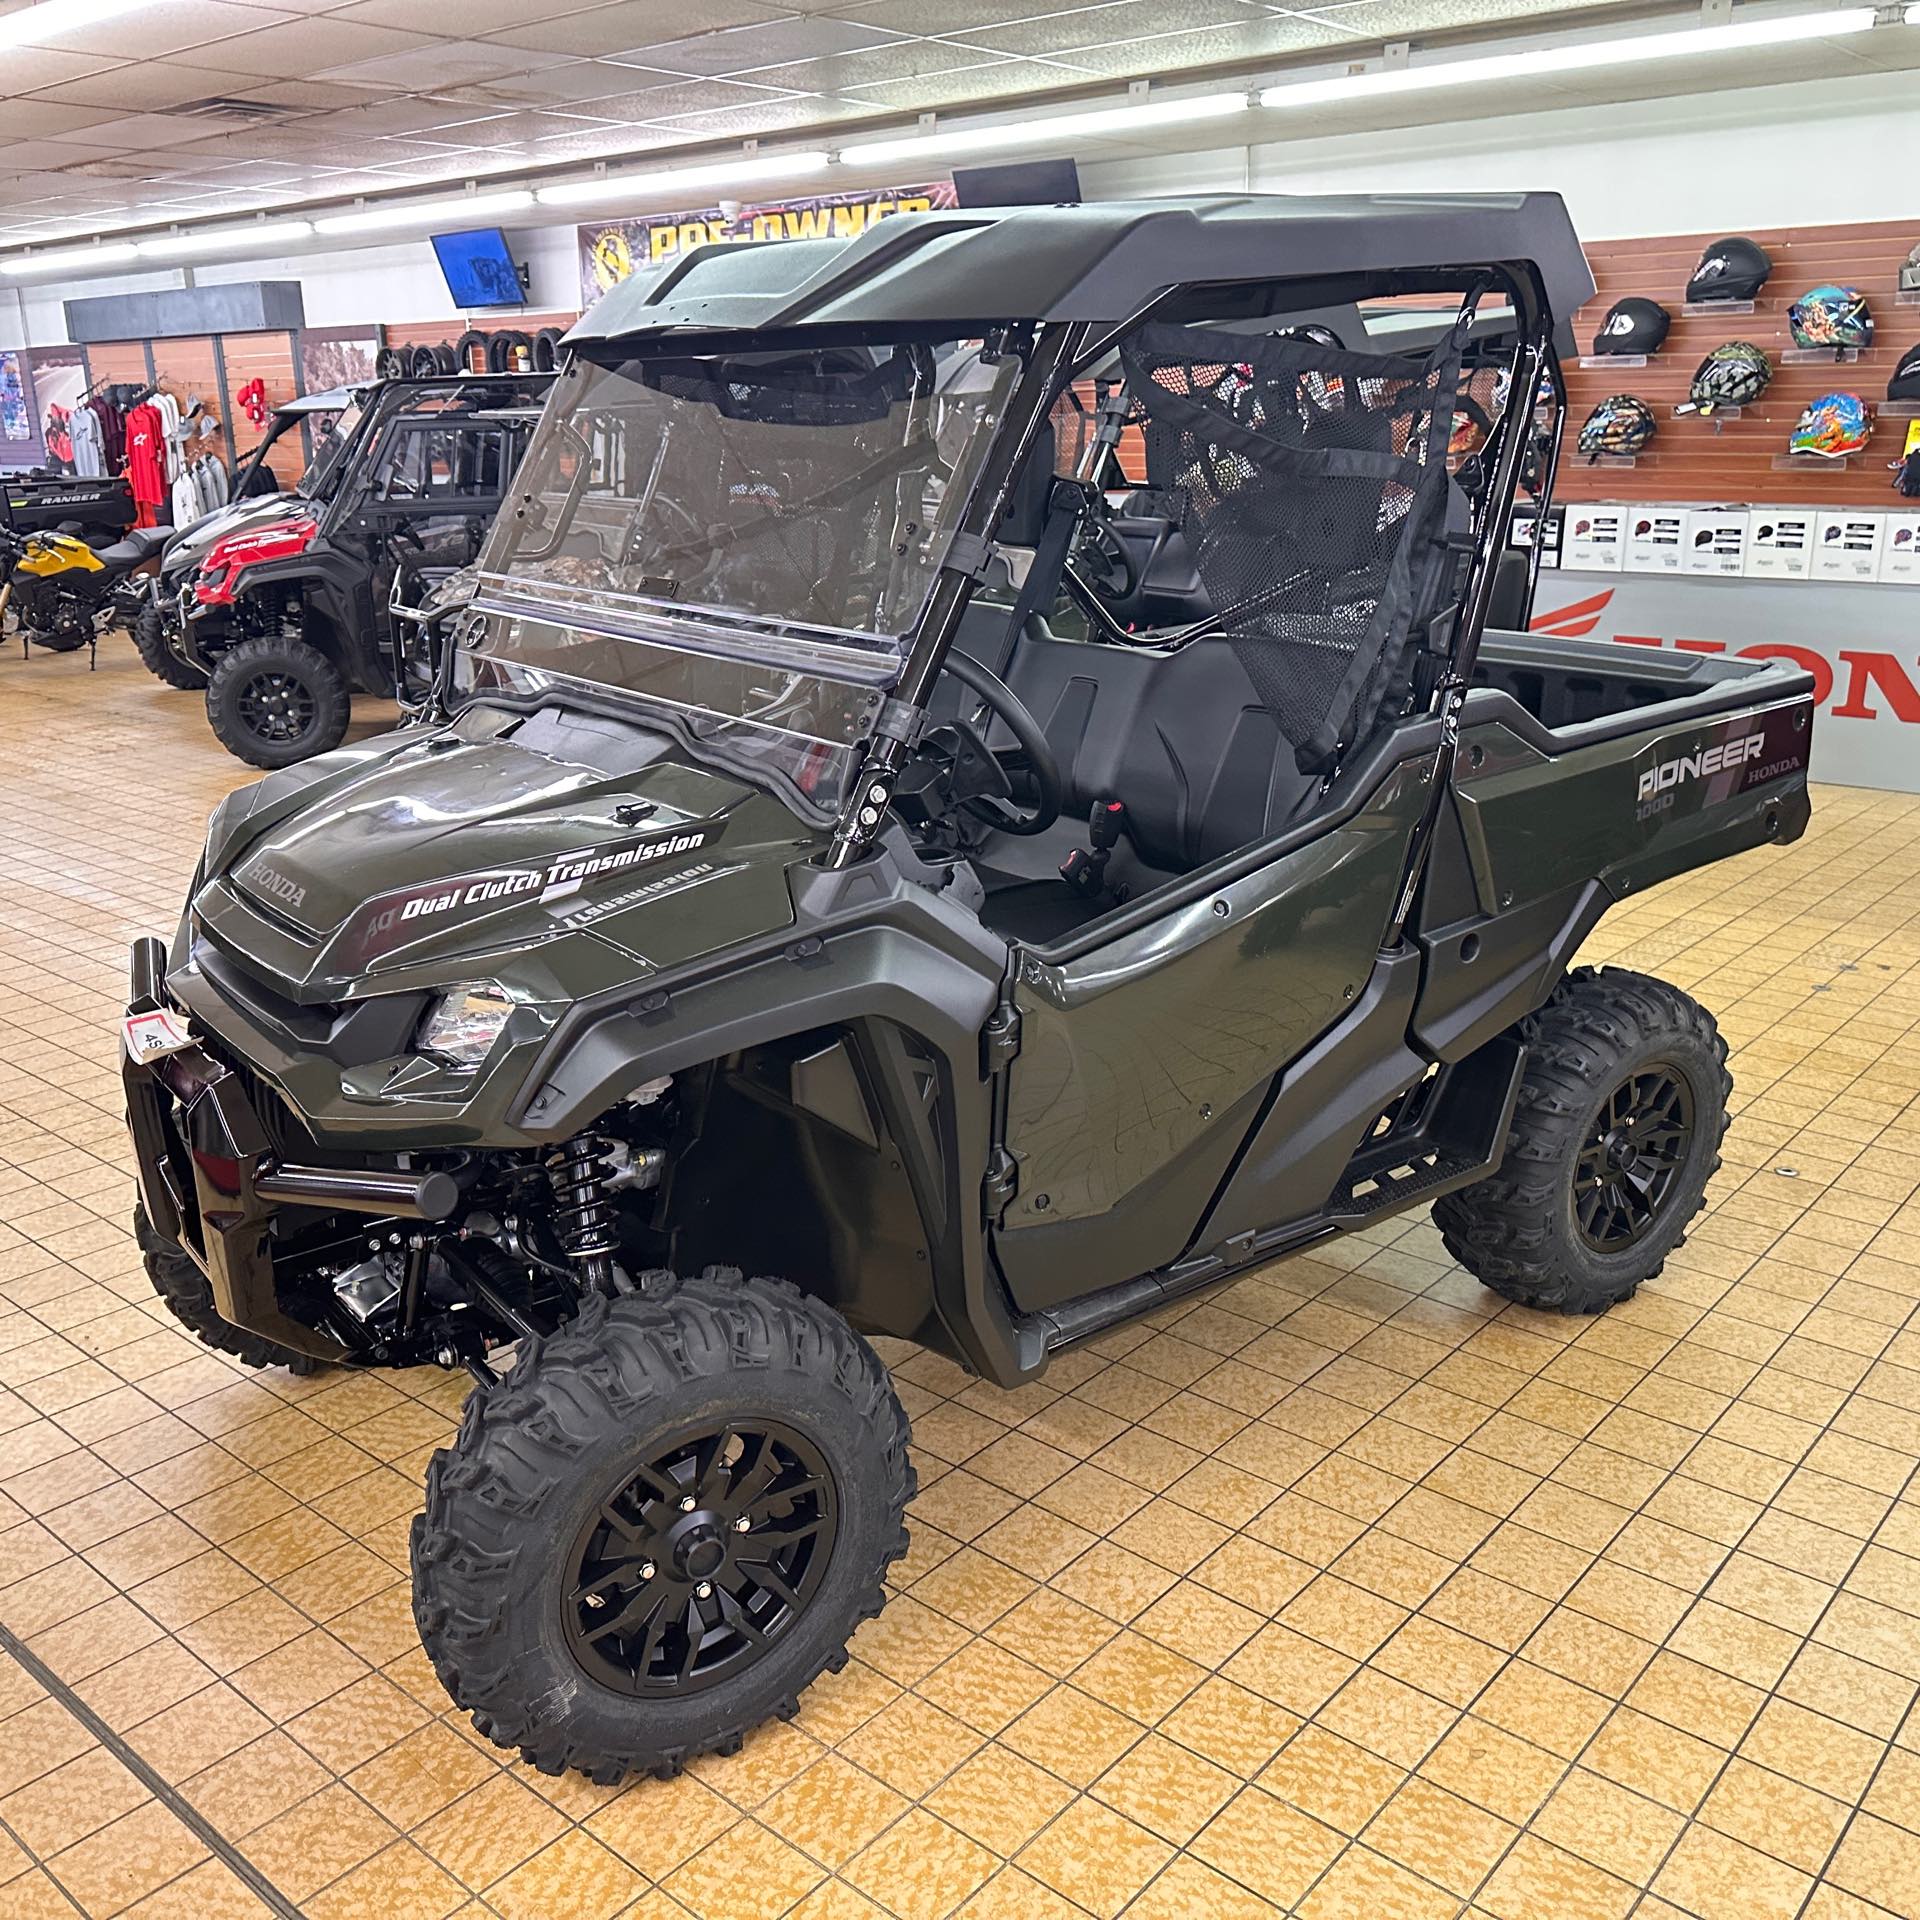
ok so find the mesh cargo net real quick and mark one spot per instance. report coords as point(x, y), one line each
point(1311, 486)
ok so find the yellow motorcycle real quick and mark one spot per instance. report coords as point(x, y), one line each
point(64, 594)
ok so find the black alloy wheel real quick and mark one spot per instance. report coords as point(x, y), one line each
point(275, 707)
point(1633, 1156)
point(702, 1559)
point(277, 700)
point(1616, 1130)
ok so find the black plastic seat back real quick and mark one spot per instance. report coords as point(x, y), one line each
point(1182, 738)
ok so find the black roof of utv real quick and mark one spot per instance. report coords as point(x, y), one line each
point(1100, 263)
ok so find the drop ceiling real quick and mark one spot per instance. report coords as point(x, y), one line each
point(190, 109)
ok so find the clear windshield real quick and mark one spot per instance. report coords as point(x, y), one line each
point(745, 540)
point(330, 434)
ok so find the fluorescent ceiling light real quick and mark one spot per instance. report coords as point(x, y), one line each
point(1538, 61)
point(115, 253)
point(425, 213)
point(1061, 126)
point(34, 26)
point(186, 246)
point(619, 186)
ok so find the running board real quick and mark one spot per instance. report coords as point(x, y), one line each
point(1446, 1131)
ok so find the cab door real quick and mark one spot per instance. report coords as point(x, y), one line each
point(1144, 1061)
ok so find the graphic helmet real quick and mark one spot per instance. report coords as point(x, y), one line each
point(1731, 269)
point(1830, 316)
point(1734, 374)
point(1620, 424)
point(1833, 426)
point(1632, 326)
point(1910, 273)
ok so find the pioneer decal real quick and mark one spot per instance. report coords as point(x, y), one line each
point(1725, 761)
point(395, 920)
point(1698, 766)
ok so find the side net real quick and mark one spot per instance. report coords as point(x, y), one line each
point(1311, 486)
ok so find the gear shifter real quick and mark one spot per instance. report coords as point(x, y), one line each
point(1085, 868)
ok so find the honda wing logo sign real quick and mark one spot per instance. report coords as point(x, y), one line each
point(399, 919)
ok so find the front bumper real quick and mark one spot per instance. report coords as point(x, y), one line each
point(212, 1183)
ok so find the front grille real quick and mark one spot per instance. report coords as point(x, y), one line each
point(286, 1132)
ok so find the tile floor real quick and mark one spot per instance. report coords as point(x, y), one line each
point(1347, 1593)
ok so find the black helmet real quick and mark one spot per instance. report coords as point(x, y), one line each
point(1632, 326)
point(1314, 334)
point(1734, 374)
point(1734, 269)
point(1620, 424)
point(1905, 384)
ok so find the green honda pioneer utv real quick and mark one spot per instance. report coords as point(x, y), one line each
point(980, 800)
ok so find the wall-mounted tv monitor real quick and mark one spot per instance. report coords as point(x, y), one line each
point(480, 271)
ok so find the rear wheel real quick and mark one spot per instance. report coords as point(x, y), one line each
point(150, 642)
point(189, 1298)
point(662, 1526)
point(272, 702)
point(1615, 1134)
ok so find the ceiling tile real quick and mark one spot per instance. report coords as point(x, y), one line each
point(443, 64)
point(476, 16)
point(303, 48)
point(39, 119)
point(1100, 26)
point(34, 70)
point(1245, 41)
point(579, 82)
point(171, 26)
point(632, 23)
point(1005, 80)
point(933, 16)
point(872, 66)
point(743, 49)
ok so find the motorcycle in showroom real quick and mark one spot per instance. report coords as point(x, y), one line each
point(63, 593)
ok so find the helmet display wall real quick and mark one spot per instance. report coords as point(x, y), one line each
point(1827, 320)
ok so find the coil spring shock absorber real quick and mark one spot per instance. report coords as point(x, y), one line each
point(583, 1214)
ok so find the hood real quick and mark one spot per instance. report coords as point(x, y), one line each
point(188, 547)
point(436, 849)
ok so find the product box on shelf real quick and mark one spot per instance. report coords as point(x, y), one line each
point(1656, 539)
point(1716, 540)
point(1595, 540)
point(1900, 550)
point(1780, 543)
point(1846, 545)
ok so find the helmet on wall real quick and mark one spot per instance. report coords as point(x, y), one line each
point(1734, 374)
point(1833, 426)
point(1632, 326)
point(1620, 424)
point(1731, 269)
point(1831, 316)
point(1904, 383)
point(1910, 273)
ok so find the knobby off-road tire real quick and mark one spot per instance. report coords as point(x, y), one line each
point(276, 701)
point(557, 1474)
point(159, 659)
point(1624, 1094)
point(188, 1297)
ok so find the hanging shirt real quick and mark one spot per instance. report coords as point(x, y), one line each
point(83, 431)
point(169, 411)
point(185, 499)
point(146, 456)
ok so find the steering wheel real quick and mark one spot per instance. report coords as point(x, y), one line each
point(1042, 768)
point(1104, 561)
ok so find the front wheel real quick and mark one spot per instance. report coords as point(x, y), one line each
point(1616, 1132)
point(157, 655)
point(187, 1295)
point(662, 1526)
point(276, 701)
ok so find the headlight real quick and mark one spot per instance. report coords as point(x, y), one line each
point(462, 1025)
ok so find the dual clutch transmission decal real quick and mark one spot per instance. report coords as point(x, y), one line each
point(391, 921)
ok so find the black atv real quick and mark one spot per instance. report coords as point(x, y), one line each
point(285, 615)
point(822, 916)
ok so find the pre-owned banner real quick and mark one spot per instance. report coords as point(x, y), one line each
point(610, 250)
